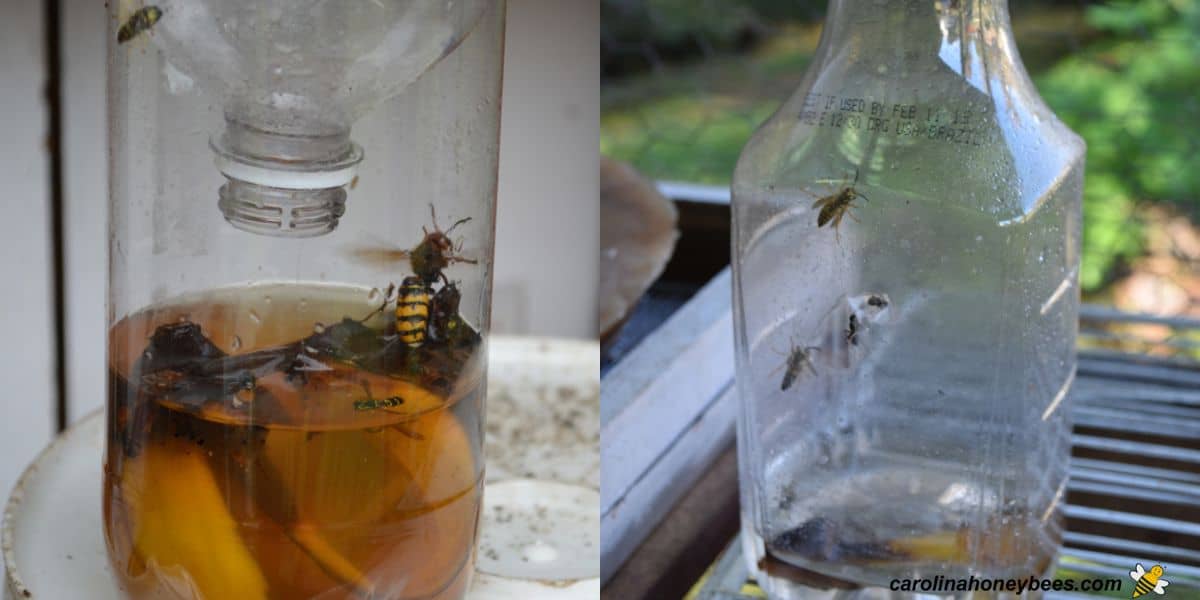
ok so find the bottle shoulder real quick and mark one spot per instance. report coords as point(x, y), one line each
point(1000, 149)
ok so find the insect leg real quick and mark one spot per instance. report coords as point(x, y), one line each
point(808, 359)
point(387, 297)
point(835, 222)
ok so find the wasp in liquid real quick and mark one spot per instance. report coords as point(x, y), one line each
point(852, 329)
point(140, 21)
point(412, 310)
point(445, 324)
point(877, 302)
point(798, 360)
point(420, 311)
point(836, 206)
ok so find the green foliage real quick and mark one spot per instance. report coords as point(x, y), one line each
point(720, 24)
point(662, 136)
point(1131, 95)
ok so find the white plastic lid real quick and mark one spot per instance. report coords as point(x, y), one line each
point(541, 530)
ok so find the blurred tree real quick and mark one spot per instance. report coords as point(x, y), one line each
point(1133, 96)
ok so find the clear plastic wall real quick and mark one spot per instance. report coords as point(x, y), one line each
point(301, 230)
point(906, 253)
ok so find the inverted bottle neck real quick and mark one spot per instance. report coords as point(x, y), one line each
point(971, 37)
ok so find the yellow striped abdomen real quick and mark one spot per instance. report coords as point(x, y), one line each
point(412, 311)
point(1144, 586)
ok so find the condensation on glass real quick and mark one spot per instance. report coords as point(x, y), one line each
point(905, 258)
point(301, 232)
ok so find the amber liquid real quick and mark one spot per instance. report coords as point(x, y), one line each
point(305, 481)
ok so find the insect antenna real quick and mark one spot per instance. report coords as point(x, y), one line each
point(456, 224)
point(436, 227)
point(433, 217)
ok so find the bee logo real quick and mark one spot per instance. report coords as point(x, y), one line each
point(140, 21)
point(412, 311)
point(1148, 581)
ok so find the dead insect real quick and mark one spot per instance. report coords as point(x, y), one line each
point(444, 319)
point(837, 205)
point(435, 252)
point(820, 539)
point(852, 330)
point(412, 311)
point(823, 540)
point(371, 403)
point(140, 21)
point(798, 359)
point(877, 302)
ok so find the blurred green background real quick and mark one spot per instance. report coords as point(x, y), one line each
point(685, 83)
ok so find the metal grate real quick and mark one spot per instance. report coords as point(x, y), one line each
point(1134, 492)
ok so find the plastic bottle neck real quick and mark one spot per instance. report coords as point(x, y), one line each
point(971, 37)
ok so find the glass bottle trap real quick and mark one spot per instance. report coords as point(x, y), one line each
point(905, 259)
point(301, 232)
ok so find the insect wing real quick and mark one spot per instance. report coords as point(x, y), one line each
point(1137, 572)
point(379, 256)
point(1159, 587)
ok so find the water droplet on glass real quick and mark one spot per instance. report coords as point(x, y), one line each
point(373, 295)
point(303, 304)
point(254, 317)
point(267, 299)
point(236, 343)
point(979, 238)
point(318, 327)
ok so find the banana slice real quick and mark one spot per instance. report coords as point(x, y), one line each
point(388, 513)
point(184, 538)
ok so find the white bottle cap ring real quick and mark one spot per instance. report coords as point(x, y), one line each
point(331, 175)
